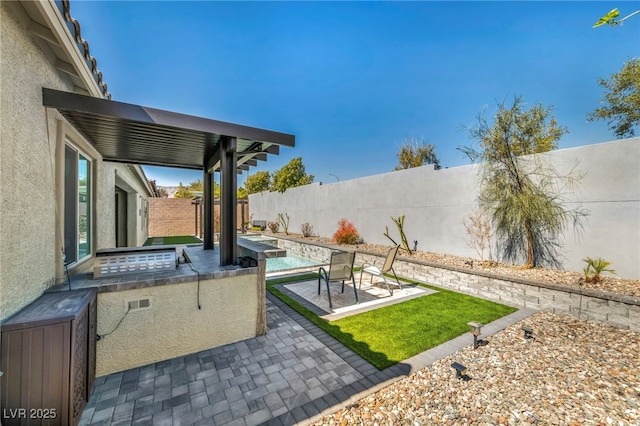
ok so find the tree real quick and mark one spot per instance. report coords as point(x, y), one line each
point(621, 101)
point(196, 185)
point(522, 194)
point(257, 182)
point(416, 153)
point(190, 190)
point(183, 192)
point(291, 175)
point(242, 194)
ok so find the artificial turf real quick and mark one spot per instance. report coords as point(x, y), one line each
point(390, 334)
point(179, 239)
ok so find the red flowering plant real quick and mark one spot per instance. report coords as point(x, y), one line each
point(346, 233)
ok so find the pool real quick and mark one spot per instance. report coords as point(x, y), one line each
point(277, 264)
point(261, 239)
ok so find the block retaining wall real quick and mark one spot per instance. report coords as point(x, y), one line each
point(617, 310)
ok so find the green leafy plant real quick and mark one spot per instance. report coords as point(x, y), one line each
point(307, 229)
point(284, 221)
point(522, 193)
point(346, 233)
point(594, 268)
point(290, 175)
point(403, 238)
point(274, 227)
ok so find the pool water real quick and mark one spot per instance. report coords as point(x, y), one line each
point(289, 262)
point(261, 239)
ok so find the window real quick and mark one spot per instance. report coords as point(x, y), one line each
point(77, 205)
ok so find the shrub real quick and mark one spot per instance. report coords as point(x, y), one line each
point(307, 229)
point(283, 219)
point(346, 233)
point(274, 227)
point(594, 268)
point(478, 228)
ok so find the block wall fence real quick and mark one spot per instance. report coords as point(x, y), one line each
point(608, 308)
point(177, 216)
point(435, 203)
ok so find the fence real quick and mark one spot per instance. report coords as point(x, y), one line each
point(180, 216)
point(435, 203)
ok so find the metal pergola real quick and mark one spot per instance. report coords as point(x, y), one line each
point(135, 134)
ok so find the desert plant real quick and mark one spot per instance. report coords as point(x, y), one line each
point(274, 227)
point(478, 228)
point(403, 238)
point(284, 222)
point(594, 268)
point(522, 192)
point(346, 233)
point(307, 229)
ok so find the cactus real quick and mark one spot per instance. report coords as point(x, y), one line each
point(403, 238)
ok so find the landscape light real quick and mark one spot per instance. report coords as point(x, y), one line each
point(475, 328)
point(528, 332)
point(461, 370)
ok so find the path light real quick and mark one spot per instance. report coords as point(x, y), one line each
point(475, 328)
point(461, 370)
point(528, 332)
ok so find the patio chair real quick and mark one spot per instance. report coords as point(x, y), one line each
point(373, 270)
point(340, 269)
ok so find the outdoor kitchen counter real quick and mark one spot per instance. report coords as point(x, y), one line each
point(201, 265)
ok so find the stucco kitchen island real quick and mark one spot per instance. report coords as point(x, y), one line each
point(153, 316)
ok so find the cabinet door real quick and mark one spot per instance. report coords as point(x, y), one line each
point(35, 362)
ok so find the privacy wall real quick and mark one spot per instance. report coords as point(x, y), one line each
point(177, 216)
point(435, 203)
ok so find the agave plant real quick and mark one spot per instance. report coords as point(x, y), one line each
point(594, 268)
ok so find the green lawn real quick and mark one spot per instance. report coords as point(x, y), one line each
point(180, 239)
point(390, 334)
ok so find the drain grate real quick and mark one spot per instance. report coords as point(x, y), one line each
point(133, 263)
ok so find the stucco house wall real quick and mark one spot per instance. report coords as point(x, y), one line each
point(435, 203)
point(27, 165)
point(32, 171)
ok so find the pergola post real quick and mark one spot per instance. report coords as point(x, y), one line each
point(228, 201)
point(208, 211)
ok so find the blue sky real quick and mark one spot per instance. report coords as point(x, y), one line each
point(353, 80)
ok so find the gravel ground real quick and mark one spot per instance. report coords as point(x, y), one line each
point(572, 372)
point(610, 283)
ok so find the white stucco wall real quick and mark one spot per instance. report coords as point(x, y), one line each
point(122, 175)
point(435, 202)
point(27, 161)
point(30, 255)
point(174, 325)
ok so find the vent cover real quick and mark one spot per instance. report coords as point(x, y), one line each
point(134, 263)
point(142, 304)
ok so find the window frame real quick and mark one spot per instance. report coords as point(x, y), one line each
point(79, 254)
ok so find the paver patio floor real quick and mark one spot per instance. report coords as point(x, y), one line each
point(293, 373)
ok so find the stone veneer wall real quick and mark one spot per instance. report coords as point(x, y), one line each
point(620, 311)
